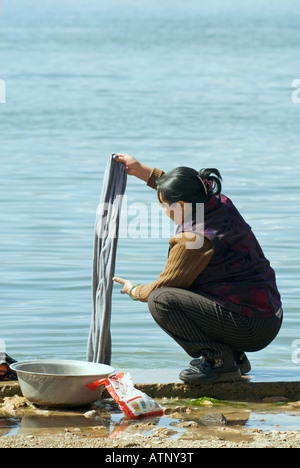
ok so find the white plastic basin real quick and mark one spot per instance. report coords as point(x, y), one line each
point(60, 383)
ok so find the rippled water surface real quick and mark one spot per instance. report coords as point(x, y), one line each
point(172, 83)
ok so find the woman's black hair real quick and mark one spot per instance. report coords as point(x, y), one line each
point(188, 185)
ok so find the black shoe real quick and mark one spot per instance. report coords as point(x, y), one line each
point(241, 360)
point(207, 372)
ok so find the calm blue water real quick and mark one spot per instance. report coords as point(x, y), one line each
point(202, 84)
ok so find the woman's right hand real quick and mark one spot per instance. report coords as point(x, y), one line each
point(130, 162)
point(134, 167)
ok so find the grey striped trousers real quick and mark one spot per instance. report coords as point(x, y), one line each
point(203, 328)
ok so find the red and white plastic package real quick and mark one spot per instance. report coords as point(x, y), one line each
point(132, 402)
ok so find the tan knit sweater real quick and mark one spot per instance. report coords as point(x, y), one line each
point(183, 264)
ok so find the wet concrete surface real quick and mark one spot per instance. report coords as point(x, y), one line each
point(184, 419)
point(230, 412)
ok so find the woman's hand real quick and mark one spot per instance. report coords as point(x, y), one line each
point(134, 167)
point(130, 162)
point(127, 285)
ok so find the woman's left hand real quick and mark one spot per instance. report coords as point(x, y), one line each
point(127, 285)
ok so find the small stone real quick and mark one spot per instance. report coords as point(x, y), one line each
point(213, 419)
point(93, 414)
point(186, 424)
point(177, 409)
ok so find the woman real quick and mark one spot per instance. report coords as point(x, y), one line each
point(217, 296)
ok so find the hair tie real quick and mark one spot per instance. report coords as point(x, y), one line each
point(203, 184)
point(207, 184)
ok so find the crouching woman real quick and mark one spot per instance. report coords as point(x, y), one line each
point(217, 296)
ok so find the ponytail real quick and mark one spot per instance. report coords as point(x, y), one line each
point(211, 179)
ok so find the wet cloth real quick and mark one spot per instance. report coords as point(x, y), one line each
point(105, 248)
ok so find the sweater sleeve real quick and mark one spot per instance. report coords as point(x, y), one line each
point(183, 266)
point(155, 174)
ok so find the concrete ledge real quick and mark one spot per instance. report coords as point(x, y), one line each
point(241, 391)
point(8, 389)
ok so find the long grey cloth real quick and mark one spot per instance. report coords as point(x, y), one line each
point(105, 248)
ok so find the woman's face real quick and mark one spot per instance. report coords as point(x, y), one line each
point(176, 211)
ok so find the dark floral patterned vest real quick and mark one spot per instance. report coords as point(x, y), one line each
point(238, 277)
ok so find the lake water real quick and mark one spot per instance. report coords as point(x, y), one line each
point(201, 84)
